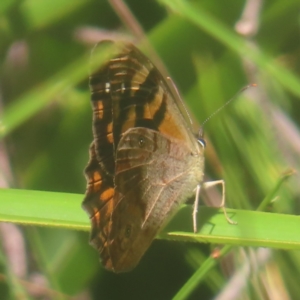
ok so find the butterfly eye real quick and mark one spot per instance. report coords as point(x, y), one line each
point(202, 142)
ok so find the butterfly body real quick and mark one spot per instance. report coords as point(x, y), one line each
point(144, 161)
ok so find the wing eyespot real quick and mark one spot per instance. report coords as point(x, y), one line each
point(141, 142)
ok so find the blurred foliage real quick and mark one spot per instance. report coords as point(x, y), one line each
point(45, 125)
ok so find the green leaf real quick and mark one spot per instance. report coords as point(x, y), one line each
point(63, 210)
point(42, 208)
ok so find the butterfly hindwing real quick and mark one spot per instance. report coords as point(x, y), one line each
point(154, 175)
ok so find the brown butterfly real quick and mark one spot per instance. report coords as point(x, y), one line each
point(145, 161)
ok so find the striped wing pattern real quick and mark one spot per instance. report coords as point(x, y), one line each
point(144, 160)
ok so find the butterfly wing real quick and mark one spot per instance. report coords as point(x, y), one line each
point(155, 173)
point(141, 97)
point(126, 203)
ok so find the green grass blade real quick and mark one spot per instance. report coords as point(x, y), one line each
point(43, 208)
point(15, 288)
point(64, 210)
point(29, 104)
point(271, 232)
point(199, 275)
point(258, 229)
point(231, 40)
point(272, 195)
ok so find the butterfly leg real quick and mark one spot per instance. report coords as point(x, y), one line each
point(222, 205)
point(195, 210)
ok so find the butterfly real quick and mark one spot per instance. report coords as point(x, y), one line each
point(145, 161)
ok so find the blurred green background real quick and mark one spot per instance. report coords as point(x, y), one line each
point(211, 49)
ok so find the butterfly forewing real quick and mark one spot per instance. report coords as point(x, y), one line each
point(98, 200)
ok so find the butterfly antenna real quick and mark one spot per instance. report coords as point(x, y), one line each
point(201, 131)
point(179, 98)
